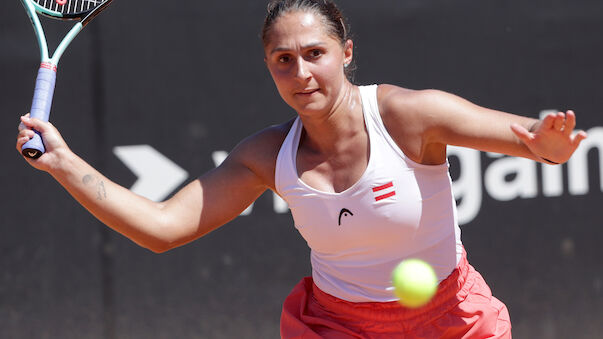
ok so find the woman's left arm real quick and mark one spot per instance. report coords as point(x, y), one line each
point(456, 121)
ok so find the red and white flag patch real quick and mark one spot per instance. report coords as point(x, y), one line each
point(384, 191)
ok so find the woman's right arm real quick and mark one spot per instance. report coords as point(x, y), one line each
point(200, 207)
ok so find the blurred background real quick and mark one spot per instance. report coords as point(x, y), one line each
point(176, 87)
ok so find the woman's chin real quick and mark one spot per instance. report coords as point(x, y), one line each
point(311, 108)
point(310, 103)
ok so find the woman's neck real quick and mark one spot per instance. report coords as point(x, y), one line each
point(328, 132)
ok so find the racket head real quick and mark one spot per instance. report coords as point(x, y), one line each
point(69, 9)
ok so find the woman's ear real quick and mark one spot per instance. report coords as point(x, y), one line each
point(348, 52)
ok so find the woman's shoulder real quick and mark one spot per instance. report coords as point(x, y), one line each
point(409, 117)
point(269, 138)
point(259, 151)
point(395, 99)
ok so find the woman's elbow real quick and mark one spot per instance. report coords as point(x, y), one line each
point(155, 244)
point(158, 248)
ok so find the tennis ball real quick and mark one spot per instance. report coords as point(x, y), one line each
point(415, 282)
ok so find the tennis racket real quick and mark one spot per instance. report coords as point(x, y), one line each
point(81, 10)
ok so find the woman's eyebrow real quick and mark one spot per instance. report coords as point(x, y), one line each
point(284, 49)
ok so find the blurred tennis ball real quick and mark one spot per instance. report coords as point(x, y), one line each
point(415, 282)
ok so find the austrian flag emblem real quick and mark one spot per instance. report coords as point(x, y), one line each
point(384, 191)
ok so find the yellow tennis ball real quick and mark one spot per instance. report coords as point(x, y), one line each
point(415, 282)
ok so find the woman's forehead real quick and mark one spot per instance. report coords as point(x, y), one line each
point(297, 27)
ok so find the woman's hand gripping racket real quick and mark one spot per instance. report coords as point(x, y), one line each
point(83, 11)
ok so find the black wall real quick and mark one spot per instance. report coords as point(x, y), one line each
point(189, 80)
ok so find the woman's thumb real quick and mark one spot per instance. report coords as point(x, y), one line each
point(33, 123)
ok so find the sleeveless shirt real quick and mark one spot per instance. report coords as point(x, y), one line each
point(398, 209)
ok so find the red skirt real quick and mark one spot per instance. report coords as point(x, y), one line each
point(463, 307)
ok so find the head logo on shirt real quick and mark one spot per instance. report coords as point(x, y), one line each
point(344, 213)
point(384, 191)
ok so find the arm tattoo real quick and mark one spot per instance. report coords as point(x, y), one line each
point(86, 179)
point(101, 192)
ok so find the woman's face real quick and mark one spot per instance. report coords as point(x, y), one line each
point(306, 63)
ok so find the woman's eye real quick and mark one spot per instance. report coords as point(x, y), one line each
point(284, 59)
point(316, 53)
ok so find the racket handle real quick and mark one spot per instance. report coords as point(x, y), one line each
point(40, 107)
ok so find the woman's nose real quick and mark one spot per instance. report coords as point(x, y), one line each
point(303, 71)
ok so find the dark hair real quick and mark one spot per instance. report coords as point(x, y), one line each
point(333, 20)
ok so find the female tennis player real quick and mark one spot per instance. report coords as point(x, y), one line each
point(364, 171)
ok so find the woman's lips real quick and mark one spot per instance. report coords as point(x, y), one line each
point(307, 91)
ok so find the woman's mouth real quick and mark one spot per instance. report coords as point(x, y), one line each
point(307, 92)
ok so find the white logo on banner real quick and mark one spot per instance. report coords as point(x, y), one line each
point(157, 175)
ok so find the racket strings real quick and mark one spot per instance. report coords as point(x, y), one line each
point(69, 7)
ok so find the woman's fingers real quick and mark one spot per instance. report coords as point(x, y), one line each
point(548, 121)
point(33, 123)
point(522, 133)
point(581, 135)
point(570, 123)
point(21, 124)
point(29, 126)
point(562, 122)
point(559, 121)
point(24, 136)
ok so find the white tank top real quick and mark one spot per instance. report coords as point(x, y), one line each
point(398, 209)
